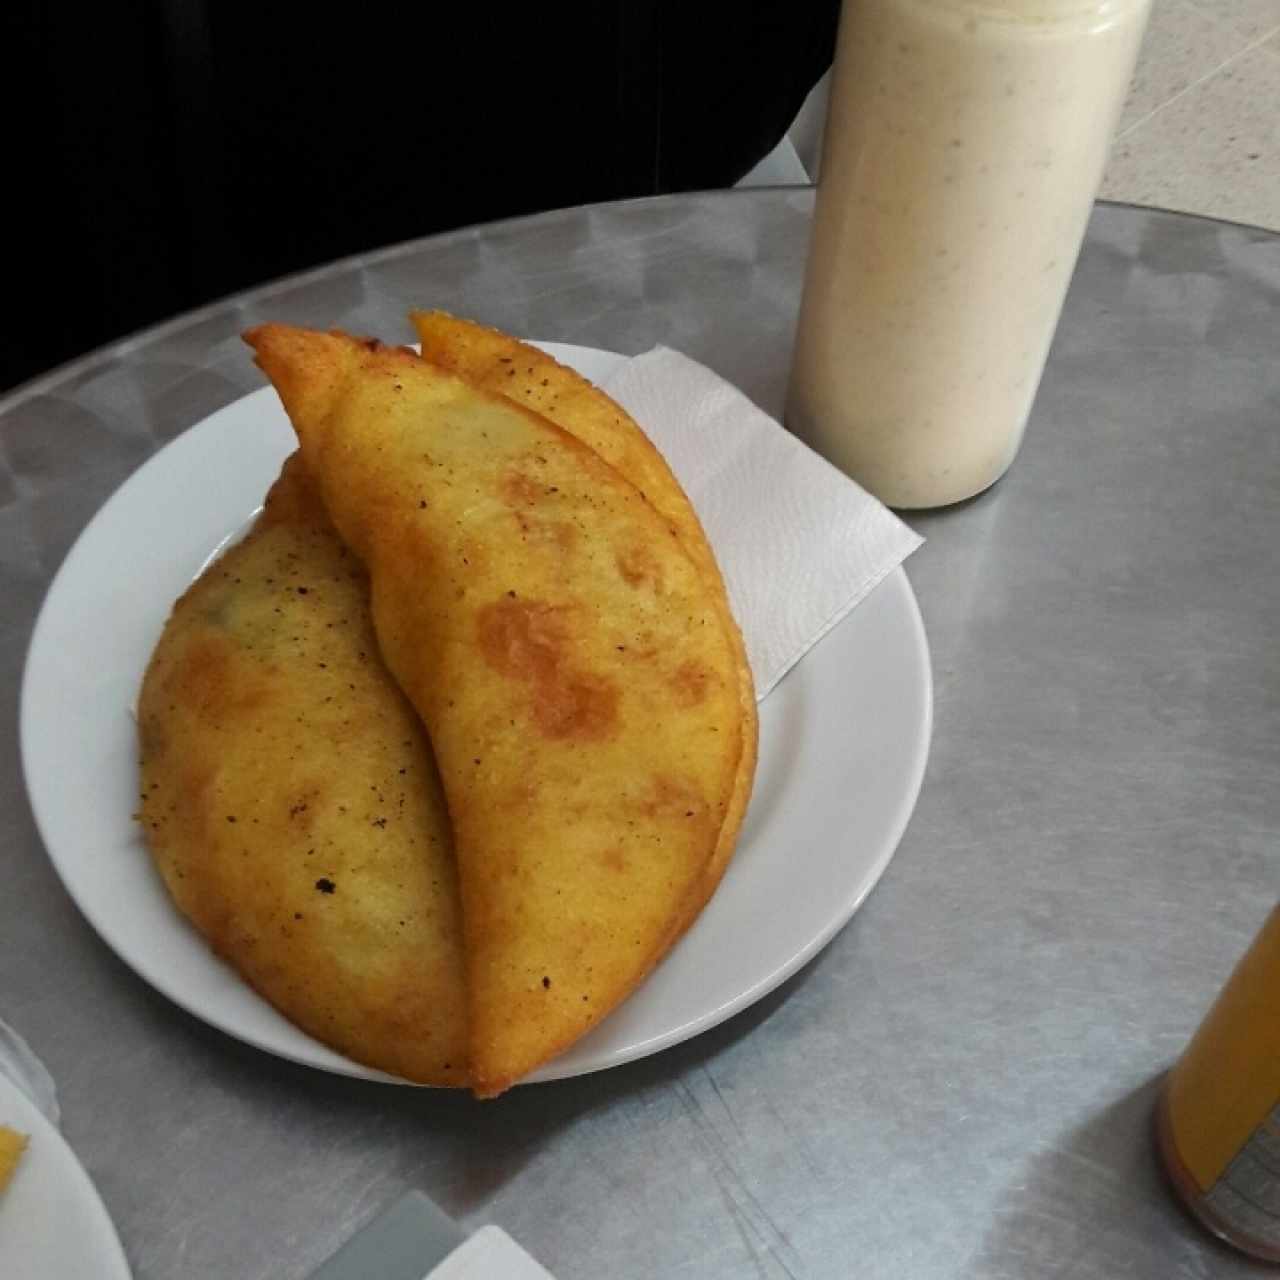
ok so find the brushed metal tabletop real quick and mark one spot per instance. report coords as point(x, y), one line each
point(961, 1084)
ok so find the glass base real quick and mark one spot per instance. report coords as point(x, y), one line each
point(904, 486)
point(1193, 1198)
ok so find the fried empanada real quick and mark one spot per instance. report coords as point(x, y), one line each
point(291, 802)
point(497, 362)
point(569, 658)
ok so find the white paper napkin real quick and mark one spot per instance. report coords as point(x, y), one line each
point(798, 542)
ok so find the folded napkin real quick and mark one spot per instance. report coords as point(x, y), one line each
point(799, 543)
point(415, 1239)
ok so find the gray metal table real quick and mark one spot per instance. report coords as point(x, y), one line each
point(961, 1085)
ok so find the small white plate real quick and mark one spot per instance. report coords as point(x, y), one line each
point(53, 1226)
point(843, 742)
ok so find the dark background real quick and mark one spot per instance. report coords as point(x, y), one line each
point(172, 151)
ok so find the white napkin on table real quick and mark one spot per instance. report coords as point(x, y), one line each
point(798, 542)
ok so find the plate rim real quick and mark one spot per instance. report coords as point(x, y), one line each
point(43, 1136)
point(896, 579)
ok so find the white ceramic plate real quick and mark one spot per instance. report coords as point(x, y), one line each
point(843, 741)
point(53, 1226)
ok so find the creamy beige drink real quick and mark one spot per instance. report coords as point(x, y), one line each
point(965, 142)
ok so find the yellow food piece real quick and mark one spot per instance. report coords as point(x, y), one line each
point(568, 658)
point(496, 362)
point(12, 1145)
point(291, 802)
